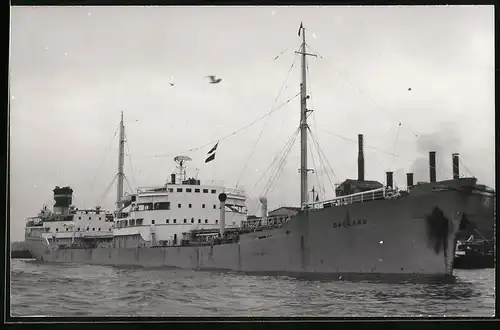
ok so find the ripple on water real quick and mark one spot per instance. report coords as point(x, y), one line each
point(86, 290)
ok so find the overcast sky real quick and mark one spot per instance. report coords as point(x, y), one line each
point(73, 69)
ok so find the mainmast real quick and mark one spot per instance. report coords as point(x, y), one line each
point(303, 122)
point(121, 158)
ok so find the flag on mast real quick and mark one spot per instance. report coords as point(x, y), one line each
point(210, 158)
point(300, 28)
point(213, 149)
point(211, 153)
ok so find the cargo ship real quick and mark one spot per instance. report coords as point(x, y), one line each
point(368, 229)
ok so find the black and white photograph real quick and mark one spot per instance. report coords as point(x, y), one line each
point(251, 161)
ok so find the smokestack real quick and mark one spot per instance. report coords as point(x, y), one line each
point(409, 180)
point(263, 200)
point(389, 179)
point(172, 178)
point(222, 199)
point(432, 166)
point(361, 159)
point(63, 197)
point(456, 169)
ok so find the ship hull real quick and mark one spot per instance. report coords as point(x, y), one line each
point(387, 237)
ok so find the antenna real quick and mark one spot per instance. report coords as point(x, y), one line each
point(180, 160)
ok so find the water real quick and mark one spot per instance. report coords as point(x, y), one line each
point(87, 290)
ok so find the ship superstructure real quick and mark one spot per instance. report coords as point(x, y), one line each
point(166, 215)
point(67, 226)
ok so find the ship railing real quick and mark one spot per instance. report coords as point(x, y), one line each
point(150, 189)
point(254, 224)
point(365, 196)
point(34, 222)
point(239, 192)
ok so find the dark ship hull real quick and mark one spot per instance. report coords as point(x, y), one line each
point(413, 235)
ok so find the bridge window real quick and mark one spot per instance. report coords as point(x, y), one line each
point(100, 218)
point(109, 229)
point(205, 191)
point(57, 229)
point(215, 206)
point(78, 228)
point(167, 221)
point(170, 189)
point(197, 190)
point(145, 207)
point(99, 229)
point(188, 190)
point(192, 220)
point(79, 218)
point(185, 220)
point(179, 205)
point(199, 220)
point(206, 220)
point(202, 206)
point(67, 229)
point(152, 222)
point(138, 222)
point(190, 205)
point(162, 206)
point(88, 228)
point(93, 229)
point(216, 221)
point(179, 189)
point(213, 191)
point(90, 218)
point(175, 220)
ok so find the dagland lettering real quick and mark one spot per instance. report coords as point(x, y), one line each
point(349, 223)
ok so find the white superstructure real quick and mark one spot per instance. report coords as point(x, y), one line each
point(165, 215)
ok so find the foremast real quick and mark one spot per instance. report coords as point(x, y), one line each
point(303, 121)
point(121, 160)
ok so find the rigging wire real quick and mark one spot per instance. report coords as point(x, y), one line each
point(317, 176)
point(323, 166)
point(130, 187)
point(361, 91)
point(104, 159)
point(280, 167)
point(355, 141)
point(267, 121)
point(275, 159)
point(462, 162)
point(106, 191)
point(239, 130)
point(321, 154)
point(277, 156)
point(130, 163)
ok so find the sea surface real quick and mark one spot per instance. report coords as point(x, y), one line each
point(39, 289)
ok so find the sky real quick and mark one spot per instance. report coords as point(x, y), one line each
point(410, 79)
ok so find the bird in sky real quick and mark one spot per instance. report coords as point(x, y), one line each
point(409, 89)
point(213, 80)
point(172, 81)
